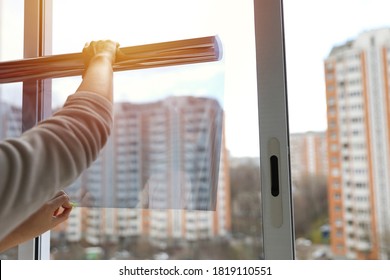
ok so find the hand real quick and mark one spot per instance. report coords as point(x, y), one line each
point(52, 213)
point(94, 49)
point(99, 57)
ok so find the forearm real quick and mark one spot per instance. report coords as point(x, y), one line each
point(51, 214)
point(13, 239)
point(53, 154)
point(98, 77)
point(50, 156)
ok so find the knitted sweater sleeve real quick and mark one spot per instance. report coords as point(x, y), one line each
point(50, 156)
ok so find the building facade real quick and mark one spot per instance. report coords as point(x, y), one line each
point(10, 120)
point(163, 175)
point(358, 115)
point(308, 155)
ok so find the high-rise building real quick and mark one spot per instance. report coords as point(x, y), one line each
point(10, 120)
point(308, 155)
point(358, 113)
point(163, 174)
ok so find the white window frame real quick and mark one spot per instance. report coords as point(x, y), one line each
point(278, 229)
point(36, 104)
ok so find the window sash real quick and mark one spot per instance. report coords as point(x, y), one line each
point(36, 104)
point(272, 104)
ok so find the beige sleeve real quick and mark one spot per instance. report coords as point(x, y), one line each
point(50, 156)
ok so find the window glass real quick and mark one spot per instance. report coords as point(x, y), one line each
point(338, 88)
point(11, 43)
point(180, 173)
point(10, 126)
point(11, 47)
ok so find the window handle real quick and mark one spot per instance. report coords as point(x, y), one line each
point(276, 195)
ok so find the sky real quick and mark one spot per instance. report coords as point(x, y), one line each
point(312, 28)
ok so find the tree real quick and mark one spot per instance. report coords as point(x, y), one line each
point(310, 202)
point(245, 198)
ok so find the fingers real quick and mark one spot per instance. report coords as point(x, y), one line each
point(61, 199)
point(103, 45)
point(59, 194)
point(62, 216)
point(60, 206)
point(106, 48)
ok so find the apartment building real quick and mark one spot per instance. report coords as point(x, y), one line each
point(358, 114)
point(11, 120)
point(308, 155)
point(162, 175)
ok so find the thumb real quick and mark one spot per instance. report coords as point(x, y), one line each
point(62, 216)
point(61, 201)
